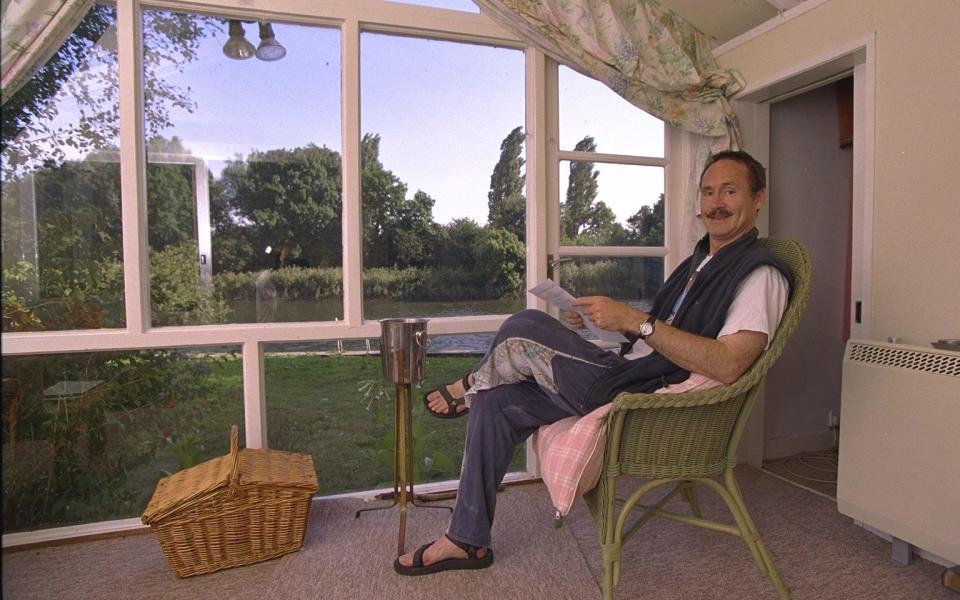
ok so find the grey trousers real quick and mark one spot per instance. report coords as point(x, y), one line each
point(536, 372)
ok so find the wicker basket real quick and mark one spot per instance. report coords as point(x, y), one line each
point(247, 506)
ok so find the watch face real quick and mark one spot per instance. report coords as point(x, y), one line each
point(646, 329)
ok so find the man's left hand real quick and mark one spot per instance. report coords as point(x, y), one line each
point(607, 313)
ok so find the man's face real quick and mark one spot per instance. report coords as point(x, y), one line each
point(728, 208)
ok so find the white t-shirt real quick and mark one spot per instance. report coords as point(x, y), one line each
point(758, 305)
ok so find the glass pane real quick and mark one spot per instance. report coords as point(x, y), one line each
point(244, 187)
point(335, 406)
point(610, 205)
point(632, 280)
point(443, 177)
point(464, 5)
point(88, 436)
point(62, 244)
point(590, 108)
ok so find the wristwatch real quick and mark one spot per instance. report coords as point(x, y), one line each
point(646, 328)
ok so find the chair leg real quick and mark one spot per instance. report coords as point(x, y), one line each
point(754, 537)
point(691, 497)
point(609, 577)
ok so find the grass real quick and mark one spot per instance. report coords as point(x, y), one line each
point(335, 408)
point(338, 409)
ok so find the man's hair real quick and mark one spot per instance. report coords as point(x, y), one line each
point(755, 171)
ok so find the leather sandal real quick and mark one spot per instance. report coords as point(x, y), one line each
point(452, 403)
point(472, 561)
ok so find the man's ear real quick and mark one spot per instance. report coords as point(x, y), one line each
point(759, 199)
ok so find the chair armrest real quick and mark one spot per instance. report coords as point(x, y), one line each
point(630, 401)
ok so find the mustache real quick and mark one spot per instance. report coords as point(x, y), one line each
point(718, 212)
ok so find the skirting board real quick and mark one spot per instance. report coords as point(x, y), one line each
point(788, 446)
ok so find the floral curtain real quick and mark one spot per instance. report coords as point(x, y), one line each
point(652, 57)
point(32, 30)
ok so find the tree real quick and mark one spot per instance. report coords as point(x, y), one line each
point(416, 238)
point(645, 228)
point(499, 262)
point(583, 219)
point(383, 196)
point(506, 202)
point(281, 198)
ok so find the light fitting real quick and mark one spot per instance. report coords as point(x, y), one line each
point(269, 48)
point(238, 46)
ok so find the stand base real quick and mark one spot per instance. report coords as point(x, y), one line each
point(428, 497)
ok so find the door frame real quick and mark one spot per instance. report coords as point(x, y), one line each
point(856, 58)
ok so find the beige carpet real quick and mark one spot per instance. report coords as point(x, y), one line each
point(822, 556)
point(814, 470)
point(343, 557)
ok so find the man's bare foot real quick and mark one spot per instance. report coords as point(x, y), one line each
point(451, 404)
point(442, 555)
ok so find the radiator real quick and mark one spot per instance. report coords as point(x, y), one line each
point(899, 468)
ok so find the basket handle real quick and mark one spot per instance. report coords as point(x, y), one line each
point(235, 457)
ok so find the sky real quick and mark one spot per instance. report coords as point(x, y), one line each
point(441, 108)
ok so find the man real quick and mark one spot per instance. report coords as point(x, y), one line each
point(711, 320)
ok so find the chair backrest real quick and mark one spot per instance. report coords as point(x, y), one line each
point(795, 256)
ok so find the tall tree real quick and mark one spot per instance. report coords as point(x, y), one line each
point(383, 196)
point(506, 202)
point(582, 188)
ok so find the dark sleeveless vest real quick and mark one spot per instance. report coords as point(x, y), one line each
point(703, 312)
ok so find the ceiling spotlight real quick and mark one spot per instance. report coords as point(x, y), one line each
point(238, 46)
point(270, 48)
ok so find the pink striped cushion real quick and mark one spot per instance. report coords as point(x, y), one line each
point(571, 450)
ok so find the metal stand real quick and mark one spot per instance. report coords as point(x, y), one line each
point(403, 467)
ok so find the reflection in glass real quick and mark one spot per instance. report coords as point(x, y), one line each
point(87, 436)
point(244, 184)
point(62, 245)
point(611, 205)
point(590, 108)
point(443, 178)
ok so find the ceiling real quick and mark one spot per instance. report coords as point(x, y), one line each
point(726, 19)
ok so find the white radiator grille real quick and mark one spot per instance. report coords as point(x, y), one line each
point(899, 443)
point(918, 360)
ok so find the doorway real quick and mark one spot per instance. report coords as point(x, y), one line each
point(811, 201)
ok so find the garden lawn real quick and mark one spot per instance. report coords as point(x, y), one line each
point(338, 409)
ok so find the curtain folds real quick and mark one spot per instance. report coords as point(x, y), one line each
point(645, 53)
point(32, 30)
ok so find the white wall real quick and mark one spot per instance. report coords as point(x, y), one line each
point(916, 247)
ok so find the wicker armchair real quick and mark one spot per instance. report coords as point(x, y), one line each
point(689, 439)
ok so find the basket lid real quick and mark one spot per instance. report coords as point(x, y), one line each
point(186, 487)
point(239, 468)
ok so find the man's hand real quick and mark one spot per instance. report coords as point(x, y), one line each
point(723, 359)
point(607, 313)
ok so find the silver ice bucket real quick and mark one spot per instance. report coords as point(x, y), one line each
point(403, 349)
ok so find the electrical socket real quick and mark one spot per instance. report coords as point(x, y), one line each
point(833, 420)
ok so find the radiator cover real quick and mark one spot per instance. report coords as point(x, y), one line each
point(899, 468)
